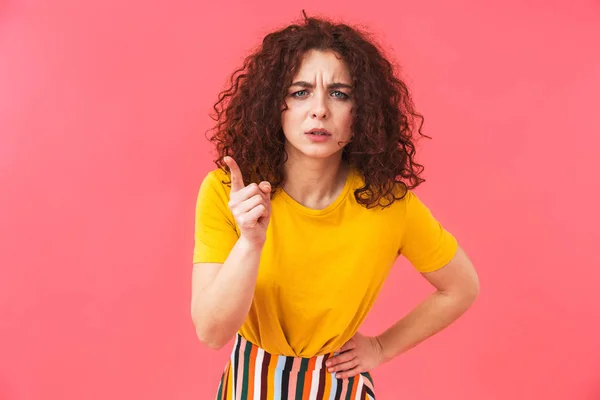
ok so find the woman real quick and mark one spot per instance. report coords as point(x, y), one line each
point(311, 204)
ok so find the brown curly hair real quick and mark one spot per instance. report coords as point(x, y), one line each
point(248, 113)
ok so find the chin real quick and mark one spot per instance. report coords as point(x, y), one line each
point(320, 153)
point(313, 150)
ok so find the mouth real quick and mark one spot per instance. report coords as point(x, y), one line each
point(318, 132)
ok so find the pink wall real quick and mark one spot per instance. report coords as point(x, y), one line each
point(103, 106)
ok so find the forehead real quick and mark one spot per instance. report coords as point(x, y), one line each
point(324, 65)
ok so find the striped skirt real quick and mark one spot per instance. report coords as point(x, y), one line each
point(254, 374)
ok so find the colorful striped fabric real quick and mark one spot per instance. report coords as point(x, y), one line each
point(254, 374)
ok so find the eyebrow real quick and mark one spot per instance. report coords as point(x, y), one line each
point(335, 85)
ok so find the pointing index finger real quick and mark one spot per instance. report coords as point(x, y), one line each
point(237, 181)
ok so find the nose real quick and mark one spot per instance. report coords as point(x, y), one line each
point(319, 108)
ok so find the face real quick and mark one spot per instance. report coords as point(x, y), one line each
point(320, 98)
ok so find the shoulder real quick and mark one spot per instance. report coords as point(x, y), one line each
point(215, 183)
point(413, 205)
point(216, 178)
point(402, 196)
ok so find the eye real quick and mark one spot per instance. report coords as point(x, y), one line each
point(300, 93)
point(340, 95)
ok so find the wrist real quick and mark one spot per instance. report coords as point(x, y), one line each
point(383, 348)
point(251, 245)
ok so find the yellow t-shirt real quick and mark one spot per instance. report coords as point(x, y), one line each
point(320, 270)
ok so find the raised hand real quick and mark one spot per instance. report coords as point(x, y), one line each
point(250, 205)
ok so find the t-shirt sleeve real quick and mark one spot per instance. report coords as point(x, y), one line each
point(425, 242)
point(215, 228)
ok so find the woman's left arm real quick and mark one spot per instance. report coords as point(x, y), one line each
point(457, 287)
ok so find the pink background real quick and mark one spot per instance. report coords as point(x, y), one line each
point(103, 109)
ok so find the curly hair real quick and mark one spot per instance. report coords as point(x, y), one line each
point(248, 112)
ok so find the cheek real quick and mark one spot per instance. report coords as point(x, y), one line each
point(285, 118)
point(348, 118)
point(290, 116)
point(290, 122)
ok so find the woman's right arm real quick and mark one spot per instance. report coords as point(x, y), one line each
point(222, 292)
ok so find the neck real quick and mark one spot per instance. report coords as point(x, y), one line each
point(314, 183)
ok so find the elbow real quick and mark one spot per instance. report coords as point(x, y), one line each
point(475, 287)
point(211, 342)
point(209, 331)
point(471, 292)
point(463, 296)
point(469, 286)
point(210, 337)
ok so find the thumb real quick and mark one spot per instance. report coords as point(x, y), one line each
point(265, 187)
